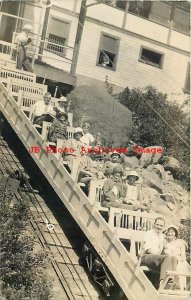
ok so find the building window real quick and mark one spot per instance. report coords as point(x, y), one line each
point(163, 12)
point(57, 35)
point(181, 18)
point(53, 43)
point(140, 8)
point(151, 57)
point(108, 50)
point(121, 4)
point(160, 12)
point(187, 82)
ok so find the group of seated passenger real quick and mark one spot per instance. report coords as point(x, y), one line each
point(120, 190)
point(121, 187)
point(121, 183)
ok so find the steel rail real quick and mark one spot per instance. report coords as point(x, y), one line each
point(32, 196)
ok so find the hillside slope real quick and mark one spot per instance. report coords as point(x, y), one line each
point(108, 117)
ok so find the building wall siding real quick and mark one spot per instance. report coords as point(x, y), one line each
point(129, 71)
point(146, 28)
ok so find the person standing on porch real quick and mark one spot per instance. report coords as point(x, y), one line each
point(23, 41)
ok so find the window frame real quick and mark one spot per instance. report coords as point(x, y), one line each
point(155, 51)
point(158, 22)
point(51, 44)
point(48, 31)
point(116, 54)
point(178, 6)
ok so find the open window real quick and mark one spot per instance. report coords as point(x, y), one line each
point(151, 57)
point(108, 51)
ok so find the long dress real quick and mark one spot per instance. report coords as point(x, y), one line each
point(177, 248)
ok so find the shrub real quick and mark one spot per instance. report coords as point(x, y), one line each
point(22, 270)
point(185, 235)
point(151, 111)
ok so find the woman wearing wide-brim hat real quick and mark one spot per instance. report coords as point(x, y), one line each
point(133, 196)
point(74, 154)
point(58, 129)
point(177, 247)
point(114, 189)
point(114, 161)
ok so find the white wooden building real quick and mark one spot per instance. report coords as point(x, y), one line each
point(132, 43)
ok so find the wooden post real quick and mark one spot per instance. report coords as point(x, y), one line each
point(44, 30)
point(38, 38)
point(125, 14)
point(171, 22)
point(81, 21)
point(55, 92)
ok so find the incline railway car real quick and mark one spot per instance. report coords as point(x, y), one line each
point(113, 250)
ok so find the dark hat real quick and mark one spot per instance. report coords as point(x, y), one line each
point(118, 169)
point(62, 114)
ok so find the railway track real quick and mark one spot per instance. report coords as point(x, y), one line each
point(49, 226)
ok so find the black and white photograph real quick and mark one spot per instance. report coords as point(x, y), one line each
point(95, 150)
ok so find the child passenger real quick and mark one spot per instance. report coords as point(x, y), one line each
point(87, 139)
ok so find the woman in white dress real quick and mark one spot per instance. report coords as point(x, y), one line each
point(177, 247)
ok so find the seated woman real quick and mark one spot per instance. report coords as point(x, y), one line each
point(133, 196)
point(73, 157)
point(177, 247)
point(58, 129)
point(91, 168)
point(114, 190)
point(115, 161)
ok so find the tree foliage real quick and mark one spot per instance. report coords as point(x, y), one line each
point(185, 235)
point(159, 122)
point(22, 270)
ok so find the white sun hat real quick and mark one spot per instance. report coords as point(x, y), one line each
point(28, 27)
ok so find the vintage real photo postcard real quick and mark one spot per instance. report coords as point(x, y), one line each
point(95, 150)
